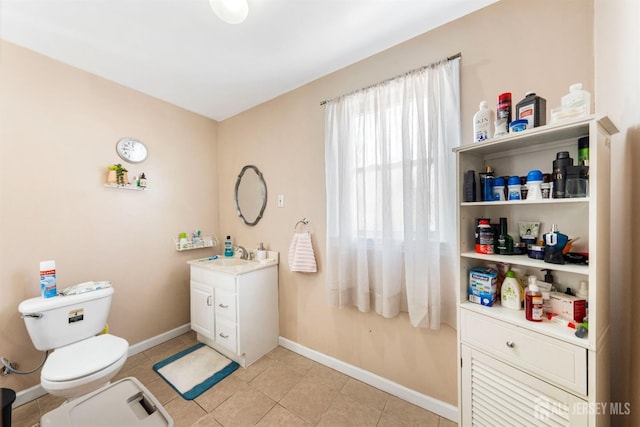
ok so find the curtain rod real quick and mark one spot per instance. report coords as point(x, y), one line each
point(449, 58)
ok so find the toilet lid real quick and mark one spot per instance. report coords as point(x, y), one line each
point(84, 357)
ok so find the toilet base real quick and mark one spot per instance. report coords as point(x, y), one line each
point(123, 403)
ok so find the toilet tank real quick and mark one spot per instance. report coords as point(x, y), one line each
point(62, 320)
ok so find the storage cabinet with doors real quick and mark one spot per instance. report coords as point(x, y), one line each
point(236, 314)
point(517, 372)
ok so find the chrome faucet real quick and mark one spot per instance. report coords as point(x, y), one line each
point(243, 252)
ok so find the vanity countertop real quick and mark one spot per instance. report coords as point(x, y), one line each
point(235, 265)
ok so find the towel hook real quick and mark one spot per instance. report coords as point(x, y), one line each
point(304, 221)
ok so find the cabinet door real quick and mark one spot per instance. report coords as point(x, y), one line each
point(494, 393)
point(202, 314)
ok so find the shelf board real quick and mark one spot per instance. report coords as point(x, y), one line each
point(527, 202)
point(126, 187)
point(517, 318)
point(525, 261)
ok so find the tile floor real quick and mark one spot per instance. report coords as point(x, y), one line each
point(281, 389)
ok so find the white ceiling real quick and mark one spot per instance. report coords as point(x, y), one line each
point(180, 52)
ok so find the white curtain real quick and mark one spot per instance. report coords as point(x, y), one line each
point(390, 180)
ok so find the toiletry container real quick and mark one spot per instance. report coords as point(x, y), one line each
point(577, 102)
point(484, 237)
point(469, 186)
point(583, 151)
point(534, 180)
point(559, 174)
point(184, 243)
point(482, 123)
point(511, 291)
point(228, 247)
point(533, 301)
point(261, 253)
point(486, 184)
point(48, 279)
point(514, 188)
point(498, 188)
point(142, 182)
point(504, 242)
point(533, 109)
point(503, 114)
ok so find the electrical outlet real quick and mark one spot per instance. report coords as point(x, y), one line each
point(281, 200)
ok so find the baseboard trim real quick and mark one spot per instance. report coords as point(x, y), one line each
point(32, 393)
point(436, 406)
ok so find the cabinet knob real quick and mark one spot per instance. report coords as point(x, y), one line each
point(510, 344)
point(223, 335)
point(223, 306)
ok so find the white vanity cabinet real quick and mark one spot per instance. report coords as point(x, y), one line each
point(236, 314)
point(517, 372)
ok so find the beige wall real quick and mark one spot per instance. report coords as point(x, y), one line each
point(58, 130)
point(618, 93)
point(284, 138)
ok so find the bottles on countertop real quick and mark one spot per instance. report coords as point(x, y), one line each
point(228, 247)
point(261, 253)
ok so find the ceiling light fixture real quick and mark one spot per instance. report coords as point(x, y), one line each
point(230, 11)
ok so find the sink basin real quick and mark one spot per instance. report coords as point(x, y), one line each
point(230, 262)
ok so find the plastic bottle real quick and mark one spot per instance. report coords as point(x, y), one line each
point(514, 188)
point(504, 242)
point(498, 189)
point(142, 182)
point(48, 287)
point(261, 253)
point(583, 291)
point(511, 293)
point(533, 109)
point(482, 123)
point(533, 301)
point(534, 180)
point(184, 243)
point(583, 151)
point(486, 184)
point(228, 247)
point(503, 114)
point(577, 101)
point(559, 174)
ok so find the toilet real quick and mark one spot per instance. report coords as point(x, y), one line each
point(82, 361)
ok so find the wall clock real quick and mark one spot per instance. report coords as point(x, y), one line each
point(131, 150)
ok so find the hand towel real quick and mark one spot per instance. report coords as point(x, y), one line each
point(301, 257)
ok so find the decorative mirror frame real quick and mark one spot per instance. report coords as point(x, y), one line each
point(264, 190)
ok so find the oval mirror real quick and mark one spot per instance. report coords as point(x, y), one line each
point(250, 195)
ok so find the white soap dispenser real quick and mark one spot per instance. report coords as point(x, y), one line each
point(261, 253)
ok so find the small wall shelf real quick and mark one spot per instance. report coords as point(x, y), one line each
point(126, 187)
point(205, 241)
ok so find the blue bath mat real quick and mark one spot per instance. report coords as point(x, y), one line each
point(195, 370)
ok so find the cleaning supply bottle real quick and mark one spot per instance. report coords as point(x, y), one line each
point(482, 123)
point(48, 287)
point(533, 301)
point(228, 247)
point(511, 291)
point(533, 109)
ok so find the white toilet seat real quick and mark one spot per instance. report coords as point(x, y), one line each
point(84, 366)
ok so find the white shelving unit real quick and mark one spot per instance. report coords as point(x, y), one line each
point(517, 372)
